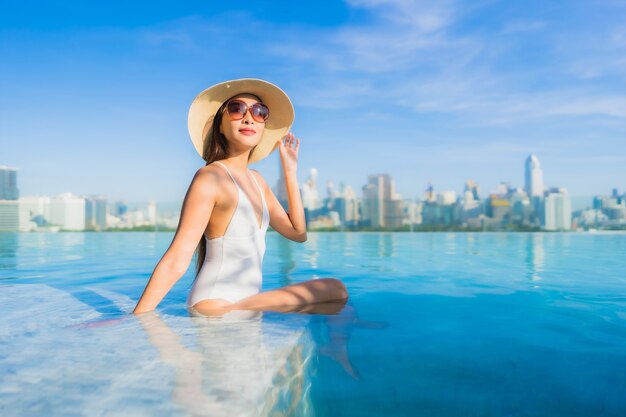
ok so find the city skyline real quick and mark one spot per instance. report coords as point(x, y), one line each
point(437, 93)
point(579, 203)
point(380, 207)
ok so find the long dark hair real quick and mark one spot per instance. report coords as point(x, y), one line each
point(215, 149)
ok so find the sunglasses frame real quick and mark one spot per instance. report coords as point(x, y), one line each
point(247, 108)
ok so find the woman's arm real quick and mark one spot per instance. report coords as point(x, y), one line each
point(195, 214)
point(292, 225)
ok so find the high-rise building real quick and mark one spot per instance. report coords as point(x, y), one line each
point(613, 206)
point(96, 212)
point(471, 206)
point(68, 211)
point(557, 209)
point(345, 203)
point(534, 177)
point(429, 194)
point(499, 208)
point(8, 183)
point(120, 209)
point(9, 216)
point(152, 212)
point(445, 198)
point(472, 187)
point(9, 206)
point(310, 195)
point(520, 207)
point(382, 206)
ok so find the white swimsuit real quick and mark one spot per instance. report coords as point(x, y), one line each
point(232, 268)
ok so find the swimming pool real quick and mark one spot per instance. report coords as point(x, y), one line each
point(437, 324)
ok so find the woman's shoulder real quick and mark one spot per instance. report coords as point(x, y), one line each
point(210, 175)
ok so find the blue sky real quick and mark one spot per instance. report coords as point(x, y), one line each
point(94, 98)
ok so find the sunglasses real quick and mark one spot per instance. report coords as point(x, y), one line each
point(237, 110)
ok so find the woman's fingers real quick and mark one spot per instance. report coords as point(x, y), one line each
point(289, 140)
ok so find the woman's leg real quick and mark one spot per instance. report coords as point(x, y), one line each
point(298, 297)
point(293, 296)
point(215, 307)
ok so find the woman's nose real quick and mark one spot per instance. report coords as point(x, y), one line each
point(247, 118)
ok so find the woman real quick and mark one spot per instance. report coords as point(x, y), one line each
point(228, 207)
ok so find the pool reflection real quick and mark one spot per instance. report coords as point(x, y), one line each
point(253, 362)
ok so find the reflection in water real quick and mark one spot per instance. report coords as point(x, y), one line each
point(71, 239)
point(8, 248)
point(240, 368)
point(245, 365)
point(286, 261)
point(472, 244)
point(386, 245)
point(450, 239)
point(349, 249)
point(311, 254)
point(535, 256)
point(332, 333)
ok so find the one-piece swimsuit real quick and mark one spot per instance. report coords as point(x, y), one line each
point(232, 268)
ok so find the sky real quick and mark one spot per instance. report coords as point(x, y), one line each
point(94, 97)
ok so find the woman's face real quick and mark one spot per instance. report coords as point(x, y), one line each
point(245, 132)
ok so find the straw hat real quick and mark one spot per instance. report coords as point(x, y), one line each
point(206, 104)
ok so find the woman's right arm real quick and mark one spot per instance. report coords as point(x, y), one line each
point(195, 214)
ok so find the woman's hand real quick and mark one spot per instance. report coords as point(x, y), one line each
point(289, 146)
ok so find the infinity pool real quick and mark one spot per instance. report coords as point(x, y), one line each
point(442, 324)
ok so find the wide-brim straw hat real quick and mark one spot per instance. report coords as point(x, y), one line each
point(205, 106)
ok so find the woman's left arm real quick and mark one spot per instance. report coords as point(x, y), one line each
point(292, 225)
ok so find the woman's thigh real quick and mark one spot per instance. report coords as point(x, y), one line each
point(213, 307)
point(308, 292)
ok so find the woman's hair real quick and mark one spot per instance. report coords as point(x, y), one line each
point(215, 149)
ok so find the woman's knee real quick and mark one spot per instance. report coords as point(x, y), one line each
point(338, 287)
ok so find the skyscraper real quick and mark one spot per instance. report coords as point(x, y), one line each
point(96, 212)
point(382, 205)
point(8, 183)
point(534, 177)
point(310, 195)
point(68, 211)
point(558, 209)
point(9, 207)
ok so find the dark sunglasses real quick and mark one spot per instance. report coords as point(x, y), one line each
point(237, 110)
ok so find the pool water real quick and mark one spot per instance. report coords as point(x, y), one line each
point(437, 324)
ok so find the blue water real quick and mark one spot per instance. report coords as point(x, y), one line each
point(449, 324)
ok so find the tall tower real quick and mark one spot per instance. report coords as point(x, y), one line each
point(382, 205)
point(310, 195)
point(558, 209)
point(534, 177)
point(8, 183)
point(9, 203)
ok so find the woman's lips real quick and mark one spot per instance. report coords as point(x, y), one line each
point(247, 132)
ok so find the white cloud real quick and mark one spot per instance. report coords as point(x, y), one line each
point(425, 16)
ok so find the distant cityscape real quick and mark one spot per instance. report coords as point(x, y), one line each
point(534, 207)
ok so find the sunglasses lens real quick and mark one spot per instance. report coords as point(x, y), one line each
point(260, 112)
point(237, 109)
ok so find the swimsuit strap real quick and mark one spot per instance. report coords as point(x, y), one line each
point(227, 170)
point(258, 186)
point(263, 202)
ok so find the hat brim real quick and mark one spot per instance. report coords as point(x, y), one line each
point(205, 106)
